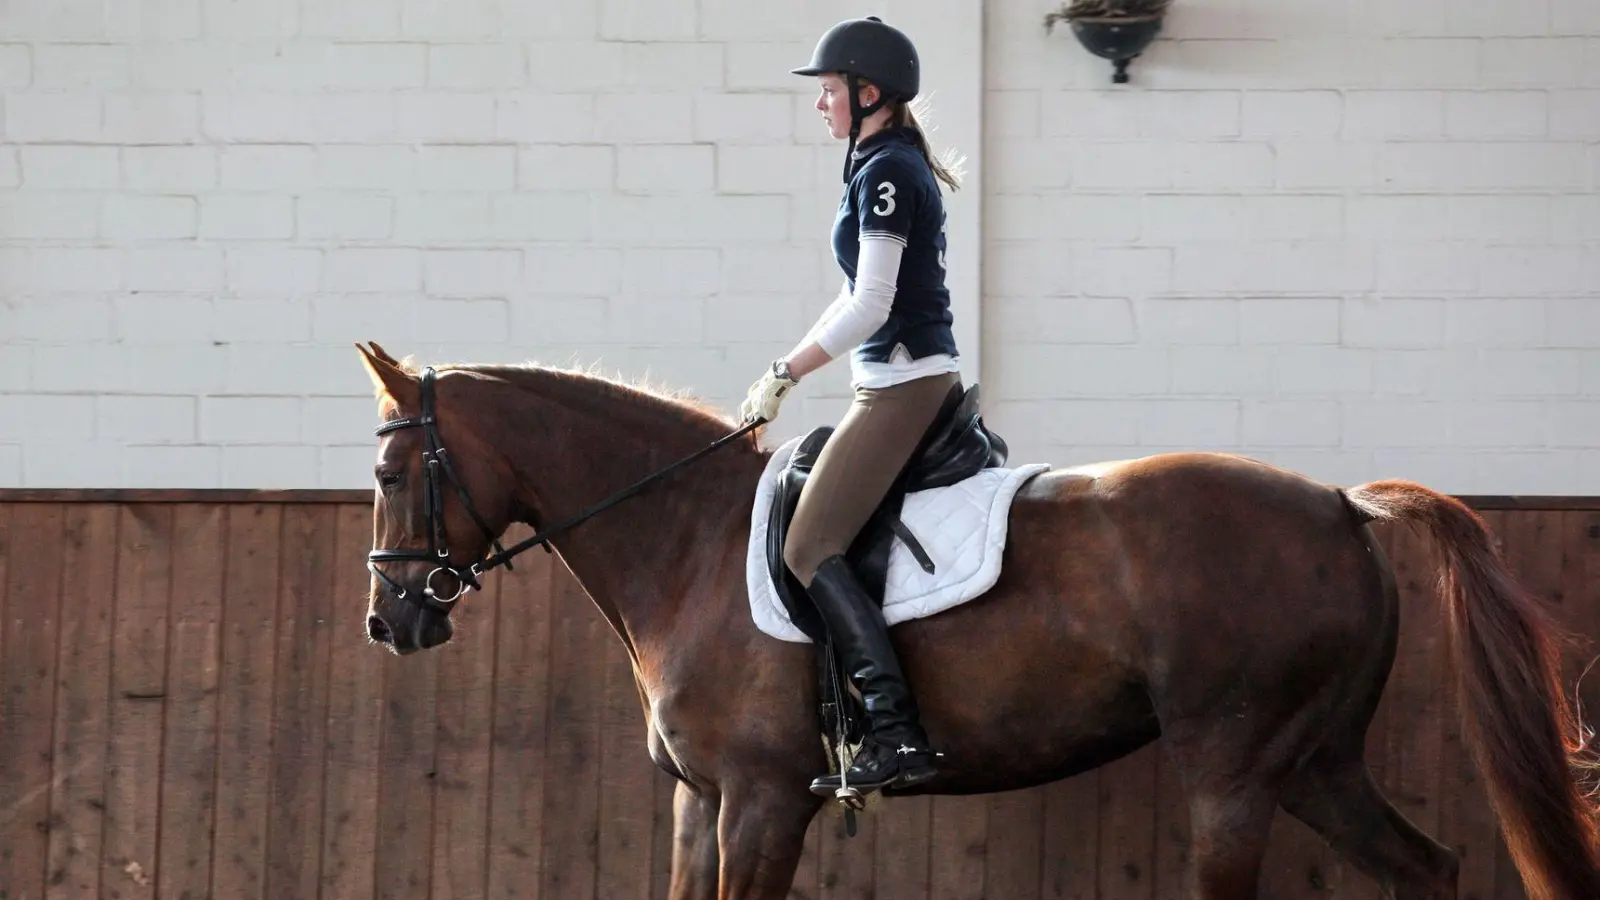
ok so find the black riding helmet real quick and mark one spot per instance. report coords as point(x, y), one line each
point(867, 49)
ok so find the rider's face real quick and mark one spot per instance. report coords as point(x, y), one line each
point(833, 101)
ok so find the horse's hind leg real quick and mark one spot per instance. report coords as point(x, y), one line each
point(1232, 787)
point(1334, 794)
point(1235, 762)
point(1230, 822)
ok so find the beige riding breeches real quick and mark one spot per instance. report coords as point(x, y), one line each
point(858, 465)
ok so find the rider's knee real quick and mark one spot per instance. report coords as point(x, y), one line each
point(796, 558)
point(804, 557)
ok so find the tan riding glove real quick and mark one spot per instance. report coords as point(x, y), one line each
point(765, 395)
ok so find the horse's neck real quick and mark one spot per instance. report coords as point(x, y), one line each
point(646, 559)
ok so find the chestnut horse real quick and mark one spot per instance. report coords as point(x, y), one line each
point(1243, 614)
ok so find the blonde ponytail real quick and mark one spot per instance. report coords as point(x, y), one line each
point(947, 166)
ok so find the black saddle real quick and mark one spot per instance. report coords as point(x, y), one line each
point(955, 447)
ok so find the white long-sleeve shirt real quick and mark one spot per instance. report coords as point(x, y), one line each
point(853, 316)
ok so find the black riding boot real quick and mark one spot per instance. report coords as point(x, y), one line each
point(895, 751)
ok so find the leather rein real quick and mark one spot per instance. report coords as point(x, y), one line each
point(436, 466)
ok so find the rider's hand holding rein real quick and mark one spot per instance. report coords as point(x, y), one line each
point(769, 390)
point(774, 384)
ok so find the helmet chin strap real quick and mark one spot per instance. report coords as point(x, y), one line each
point(857, 114)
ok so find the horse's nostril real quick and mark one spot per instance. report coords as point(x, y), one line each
point(378, 631)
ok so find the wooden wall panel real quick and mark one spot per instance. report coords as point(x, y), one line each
point(188, 709)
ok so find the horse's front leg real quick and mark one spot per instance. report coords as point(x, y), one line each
point(694, 844)
point(761, 833)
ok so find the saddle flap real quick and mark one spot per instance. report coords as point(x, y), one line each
point(791, 480)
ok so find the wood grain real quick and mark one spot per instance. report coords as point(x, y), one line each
point(190, 710)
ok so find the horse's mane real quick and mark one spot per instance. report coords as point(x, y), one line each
point(675, 404)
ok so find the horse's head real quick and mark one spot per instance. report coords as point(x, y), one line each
point(442, 498)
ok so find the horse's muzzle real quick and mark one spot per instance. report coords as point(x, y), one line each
point(424, 631)
point(378, 630)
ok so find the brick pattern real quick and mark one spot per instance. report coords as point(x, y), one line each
point(1360, 242)
point(206, 202)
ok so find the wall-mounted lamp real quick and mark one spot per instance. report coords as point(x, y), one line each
point(1118, 30)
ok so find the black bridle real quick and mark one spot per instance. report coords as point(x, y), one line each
point(436, 466)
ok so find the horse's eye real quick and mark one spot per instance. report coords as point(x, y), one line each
point(388, 479)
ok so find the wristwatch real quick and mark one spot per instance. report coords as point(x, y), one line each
point(780, 368)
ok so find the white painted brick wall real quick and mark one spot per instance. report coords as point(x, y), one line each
point(205, 203)
point(1361, 242)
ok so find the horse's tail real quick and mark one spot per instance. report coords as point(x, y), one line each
point(1506, 650)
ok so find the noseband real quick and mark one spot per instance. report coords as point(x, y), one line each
point(436, 465)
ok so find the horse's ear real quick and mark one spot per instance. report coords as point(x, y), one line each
point(387, 376)
point(384, 355)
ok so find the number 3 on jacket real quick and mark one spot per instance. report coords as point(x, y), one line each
point(885, 207)
point(885, 204)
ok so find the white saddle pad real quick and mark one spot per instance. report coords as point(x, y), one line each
point(962, 527)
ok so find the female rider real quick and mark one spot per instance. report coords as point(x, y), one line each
point(893, 316)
